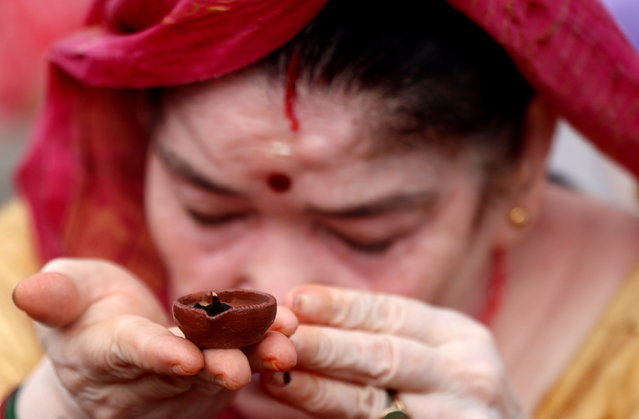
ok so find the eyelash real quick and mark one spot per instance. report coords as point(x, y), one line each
point(213, 220)
point(373, 248)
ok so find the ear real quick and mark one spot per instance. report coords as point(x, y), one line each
point(528, 182)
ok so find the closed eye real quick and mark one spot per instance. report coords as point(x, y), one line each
point(372, 247)
point(214, 220)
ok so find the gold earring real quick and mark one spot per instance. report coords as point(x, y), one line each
point(518, 217)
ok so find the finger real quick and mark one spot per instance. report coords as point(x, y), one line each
point(226, 368)
point(41, 296)
point(380, 360)
point(150, 388)
point(380, 313)
point(275, 352)
point(325, 397)
point(389, 361)
point(285, 321)
point(123, 350)
point(139, 344)
point(449, 405)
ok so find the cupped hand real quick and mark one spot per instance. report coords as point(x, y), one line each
point(110, 350)
point(353, 347)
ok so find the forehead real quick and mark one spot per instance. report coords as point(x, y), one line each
point(246, 113)
point(236, 131)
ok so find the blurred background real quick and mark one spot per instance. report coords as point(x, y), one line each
point(29, 27)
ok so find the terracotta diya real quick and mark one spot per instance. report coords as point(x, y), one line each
point(225, 318)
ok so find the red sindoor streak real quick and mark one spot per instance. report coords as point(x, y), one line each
point(292, 75)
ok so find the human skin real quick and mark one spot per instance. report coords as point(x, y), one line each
point(234, 135)
point(363, 249)
point(110, 352)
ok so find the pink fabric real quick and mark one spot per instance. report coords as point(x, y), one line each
point(83, 177)
point(196, 40)
point(28, 28)
point(575, 55)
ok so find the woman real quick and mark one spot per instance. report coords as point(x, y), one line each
point(379, 170)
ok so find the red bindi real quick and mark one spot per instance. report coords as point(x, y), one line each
point(279, 182)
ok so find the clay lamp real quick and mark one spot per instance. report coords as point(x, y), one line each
point(224, 318)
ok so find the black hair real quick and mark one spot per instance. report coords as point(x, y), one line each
point(443, 73)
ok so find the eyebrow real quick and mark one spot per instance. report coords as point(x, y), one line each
point(179, 167)
point(387, 204)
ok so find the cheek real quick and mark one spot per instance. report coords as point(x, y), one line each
point(423, 266)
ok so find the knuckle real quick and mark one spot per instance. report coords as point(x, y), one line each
point(485, 389)
point(475, 373)
point(352, 313)
point(125, 344)
point(387, 314)
point(324, 400)
point(368, 400)
point(382, 363)
point(314, 348)
point(124, 327)
point(71, 379)
point(369, 311)
point(483, 382)
point(316, 397)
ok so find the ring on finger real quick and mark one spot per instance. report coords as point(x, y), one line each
point(395, 408)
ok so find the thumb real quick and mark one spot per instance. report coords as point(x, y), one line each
point(49, 298)
point(67, 289)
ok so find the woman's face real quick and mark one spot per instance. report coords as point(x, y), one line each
point(238, 198)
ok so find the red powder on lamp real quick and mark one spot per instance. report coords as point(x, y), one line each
point(279, 182)
point(292, 75)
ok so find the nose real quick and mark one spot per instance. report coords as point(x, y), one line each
point(279, 259)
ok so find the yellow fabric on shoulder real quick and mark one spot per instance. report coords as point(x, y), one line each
point(602, 382)
point(20, 349)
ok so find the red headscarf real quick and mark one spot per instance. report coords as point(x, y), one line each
point(83, 177)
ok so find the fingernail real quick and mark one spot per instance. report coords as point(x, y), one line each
point(177, 369)
point(217, 379)
point(281, 379)
point(271, 364)
point(220, 380)
point(210, 378)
